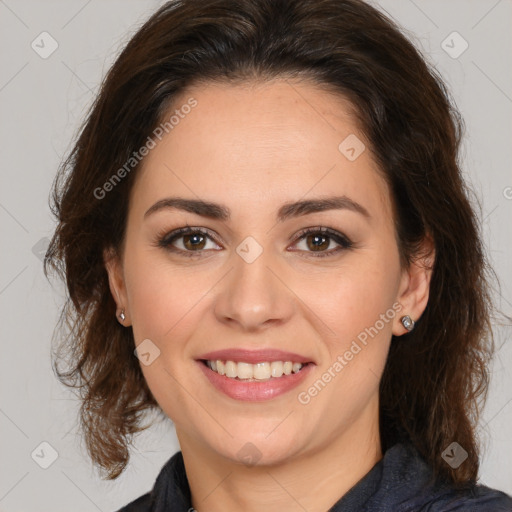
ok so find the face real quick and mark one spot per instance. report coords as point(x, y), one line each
point(244, 277)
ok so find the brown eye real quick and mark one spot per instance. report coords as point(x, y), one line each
point(194, 241)
point(187, 241)
point(318, 240)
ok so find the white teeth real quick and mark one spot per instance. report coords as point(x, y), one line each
point(296, 367)
point(276, 368)
point(231, 369)
point(258, 371)
point(245, 371)
point(262, 371)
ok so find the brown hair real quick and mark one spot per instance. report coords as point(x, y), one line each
point(436, 377)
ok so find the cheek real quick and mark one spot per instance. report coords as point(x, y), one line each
point(356, 352)
point(165, 306)
point(162, 299)
point(358, 304)
point(353, 298)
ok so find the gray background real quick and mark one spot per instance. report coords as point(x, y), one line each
point(43, 101)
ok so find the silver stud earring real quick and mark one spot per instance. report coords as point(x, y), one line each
point(121, 315)
point(408, 322)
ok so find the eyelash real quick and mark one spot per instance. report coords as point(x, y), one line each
point(166, 239)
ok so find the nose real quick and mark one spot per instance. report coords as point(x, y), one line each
point(254, 295)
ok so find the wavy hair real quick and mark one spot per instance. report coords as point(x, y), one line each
point(436, 377)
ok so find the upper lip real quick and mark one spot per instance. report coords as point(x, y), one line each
point(253, 356)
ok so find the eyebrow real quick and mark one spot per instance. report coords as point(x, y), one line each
point(288, 210)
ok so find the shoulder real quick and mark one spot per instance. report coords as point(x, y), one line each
point(478, 499)
point(441, 496)
point(404, 482)
point(141, 504)
point(171, 487)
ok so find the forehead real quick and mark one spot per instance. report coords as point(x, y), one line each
point(261, 144)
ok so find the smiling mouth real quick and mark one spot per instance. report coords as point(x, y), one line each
point(257, 372)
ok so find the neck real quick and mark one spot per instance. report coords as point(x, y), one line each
point(313, 481)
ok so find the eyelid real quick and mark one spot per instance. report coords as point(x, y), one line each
point(333, 233)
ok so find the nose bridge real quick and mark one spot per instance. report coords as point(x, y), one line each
point(252, 294)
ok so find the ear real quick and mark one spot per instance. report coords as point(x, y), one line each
point(117, 285)
point(415, 285)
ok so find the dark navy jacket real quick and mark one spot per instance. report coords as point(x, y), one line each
point(399, 482)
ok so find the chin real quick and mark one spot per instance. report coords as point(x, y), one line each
point(258, 448)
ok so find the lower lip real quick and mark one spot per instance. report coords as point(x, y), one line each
point(254, 391)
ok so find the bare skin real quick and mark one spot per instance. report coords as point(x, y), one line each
point(252, 148)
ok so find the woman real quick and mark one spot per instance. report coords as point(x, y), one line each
point(265, 203)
